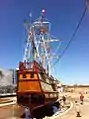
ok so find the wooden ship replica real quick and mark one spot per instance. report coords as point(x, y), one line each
point(36, 88)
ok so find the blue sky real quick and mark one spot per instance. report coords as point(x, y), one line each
point(64, 15)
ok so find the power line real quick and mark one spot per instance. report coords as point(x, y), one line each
point(73, 35)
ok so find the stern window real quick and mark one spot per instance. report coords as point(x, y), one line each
point(24, 75)
point(32, 75)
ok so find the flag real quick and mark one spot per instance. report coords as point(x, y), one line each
point(87, 3)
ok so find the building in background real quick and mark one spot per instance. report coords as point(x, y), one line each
point(7, 80)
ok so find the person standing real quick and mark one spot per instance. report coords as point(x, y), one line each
point(27, 113)
point(64, 99)
point(77, 109)
point(81, 98)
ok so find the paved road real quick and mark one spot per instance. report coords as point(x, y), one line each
point(7, 112)
point(84, 112)
point(10, 109)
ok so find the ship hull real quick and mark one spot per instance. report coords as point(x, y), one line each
point(35, 100)
point(35, 89)
point(38, 105)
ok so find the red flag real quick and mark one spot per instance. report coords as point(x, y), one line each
point(87, 3)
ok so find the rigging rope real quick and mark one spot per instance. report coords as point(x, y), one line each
point(73, 35)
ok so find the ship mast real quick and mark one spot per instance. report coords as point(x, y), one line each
point(38, 41)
